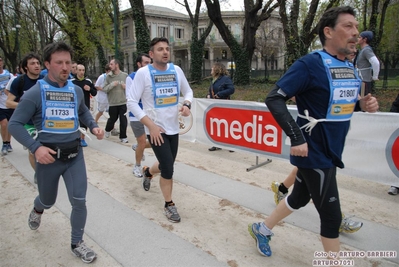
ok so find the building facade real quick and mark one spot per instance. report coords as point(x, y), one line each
point(165, 22)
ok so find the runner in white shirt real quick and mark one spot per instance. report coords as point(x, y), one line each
point(5, 113)
point(159, 85)
point(102, 98)
point(137, 127)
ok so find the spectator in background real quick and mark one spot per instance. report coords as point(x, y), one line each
point(221, 87)
point(137, 127)
point(43, 72)
point(18, 69)
point(366, 62)
point(115, 84)
point(395, 105)
point(102, 98)
point(31, 67)
point(73, 70)
point(88, 90)
point(5, 113)
point(394, 190)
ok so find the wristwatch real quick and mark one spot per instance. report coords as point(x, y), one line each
point(187, 104)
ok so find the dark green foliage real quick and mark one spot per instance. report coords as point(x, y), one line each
point(142, 34)
point(197, 44)
point(258, 91)
point(241, 58)
point(197, 51)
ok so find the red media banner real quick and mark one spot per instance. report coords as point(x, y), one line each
point(253, 129)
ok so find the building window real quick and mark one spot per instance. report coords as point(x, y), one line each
point(200, 32)
point(126, 32)
point(163, 32)
point(224, 54)
point(206, 54)
point(179, 33)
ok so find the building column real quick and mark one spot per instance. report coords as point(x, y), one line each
point(211, 54)
point(188, 60)
point(259, 61)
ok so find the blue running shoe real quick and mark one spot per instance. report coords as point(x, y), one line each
point(262, 242)
point(4, 150)
point(83, 143)
point(9, 148)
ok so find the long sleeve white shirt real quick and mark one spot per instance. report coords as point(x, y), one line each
point(142, 88)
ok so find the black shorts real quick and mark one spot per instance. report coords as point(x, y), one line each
point(6, 114)
point(320, 185)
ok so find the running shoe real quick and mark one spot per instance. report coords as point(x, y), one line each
point(34, 219)
point(393, 191)
point(9, 148)
point(349, 226)
point(262, 241)
point(86, 254)
point(137, 171)
point(124, 140)
point(172, 214)
point(114, 132)
point(278, 195)
point(4, 150)
point(107, 134)
point(146, 181)
point(134, 147)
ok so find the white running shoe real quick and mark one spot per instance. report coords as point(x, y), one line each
point(393, 190)
point(34, 219)
point(86, 254)
point(137, 171)
point(348, 225)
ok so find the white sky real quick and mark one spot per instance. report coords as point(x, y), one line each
point(231, 5)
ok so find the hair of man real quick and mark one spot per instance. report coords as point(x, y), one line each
point(330, 17)
point(82, 68)
point(157, 40)
point(56, 47)
point(107, 68)
point(139, 58)
point(24, 61)
point(117, 62)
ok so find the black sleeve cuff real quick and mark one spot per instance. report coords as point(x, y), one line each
point(275, 101)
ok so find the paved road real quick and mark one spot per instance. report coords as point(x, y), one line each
point(157, 244)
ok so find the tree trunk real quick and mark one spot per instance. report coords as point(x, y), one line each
point(140, 22)
point(298, 44)
point(197, 44)
point(242, 73)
